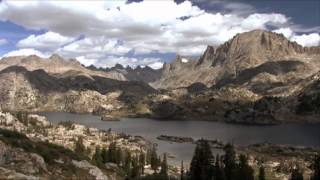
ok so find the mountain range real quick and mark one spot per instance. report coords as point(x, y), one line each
point(255, 77)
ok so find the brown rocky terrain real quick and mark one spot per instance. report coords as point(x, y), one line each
point(145, 74)
point(261, 61)
point(56, 65)
point(256, 77)
point(24, 90)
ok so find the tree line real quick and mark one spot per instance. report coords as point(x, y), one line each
point(203, 166)
point(131, 164)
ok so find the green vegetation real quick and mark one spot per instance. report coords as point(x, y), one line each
point(316, 168)
point(48, 151)
point(21, 116)
point(131, 164)
point(296, 174)
point(154, 160)
point(262, 174)
point(164, 166)
point(201, 165)
point(80, 148)
point(309, 104)
point(97, 158)
point(182, 175)
point(205, 167)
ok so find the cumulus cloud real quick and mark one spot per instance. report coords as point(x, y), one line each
point(47, 41)
point(152, 30)
point(3, 42)
point(96, 46)
point(287, 32)
point(114, 29)
point(26, 52)
point(307, 40)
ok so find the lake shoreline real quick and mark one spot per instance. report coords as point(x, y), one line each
point(117, 117)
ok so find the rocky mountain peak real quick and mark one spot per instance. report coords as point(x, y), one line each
point(207, 56)
point(253, 48)
point(56, 58)
point(128, 68)
point(118, 66)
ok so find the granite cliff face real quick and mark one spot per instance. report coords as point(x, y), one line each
point(256, 77)
point(261, 61)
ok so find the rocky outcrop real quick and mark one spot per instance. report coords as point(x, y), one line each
point(56, 65)
point(23, 90)
point(93, 170)
point(260, 52)
point(29, 149)
point(143, 74)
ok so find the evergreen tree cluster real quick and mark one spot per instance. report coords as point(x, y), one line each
point(316, 168)
point(204, 166)
point(132, 164)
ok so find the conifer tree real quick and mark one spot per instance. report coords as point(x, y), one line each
point(148, 156)
point(154, 159)
point(201, 167)
point(142, 161)
point(182, 171)
point(97, 158)
point(262, 175)
point(229, 162)
point(218, 170)
point(79, 147)
point(296, 174)
point(316, 168)
point(118, 156)
point(135, 171)
point(164, 166)
point(127, 164)
point(245, 171)
point(112, 152)
point(104, 155)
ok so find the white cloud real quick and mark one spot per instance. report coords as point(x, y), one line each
point(259, 21)
point(158, 28)
point(287, 32)
point(85, 61)
point(97, 45)
point(26, 52)
point(114, 28)
point(307, 39)
point(156, 65)
point(3, 42)
point(47, 41)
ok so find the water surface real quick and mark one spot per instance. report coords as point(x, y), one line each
point(289, 134)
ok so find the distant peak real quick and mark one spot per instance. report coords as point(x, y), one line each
point(208, 55)
point(33, 56)
point(119, 66)
point(56, 57)
point(128, 67)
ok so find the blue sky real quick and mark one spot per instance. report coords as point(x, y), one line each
point(148, 32)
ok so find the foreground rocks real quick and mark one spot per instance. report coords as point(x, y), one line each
point(33, 148)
